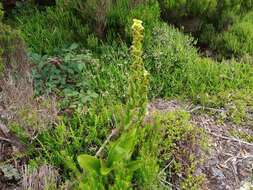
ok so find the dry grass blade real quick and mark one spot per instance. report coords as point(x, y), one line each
point(45, 177)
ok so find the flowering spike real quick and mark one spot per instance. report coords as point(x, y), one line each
point(138, 80)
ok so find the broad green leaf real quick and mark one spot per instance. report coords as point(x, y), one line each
point(73, 46)
point(122, 149)
point(84, 186)
point(134, 165)
point(80, 67)
point(104, 170)
point(89, 163)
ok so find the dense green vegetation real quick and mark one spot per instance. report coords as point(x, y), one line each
point(103, 67)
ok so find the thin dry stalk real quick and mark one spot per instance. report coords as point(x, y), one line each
point(44, 177)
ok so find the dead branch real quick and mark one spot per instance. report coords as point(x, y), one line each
point(231, 139)
point(113, 133)
point(11, 138)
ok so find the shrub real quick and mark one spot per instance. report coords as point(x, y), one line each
point(112, 19)
point(236, 40)
point(47, 31)
point(186, 7)
point(208, 77)
point(1, 50)
point(17, 98)
point(79, 77)
point(178, 145)
point(177, 70)
point(120, 16)
point(92, 13)
point(208, 19)
point(12, 49)
point(167, 57)
point(207, 10)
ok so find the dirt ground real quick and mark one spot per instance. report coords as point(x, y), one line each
point(229, 163)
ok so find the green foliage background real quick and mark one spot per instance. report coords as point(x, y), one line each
point(79, 52)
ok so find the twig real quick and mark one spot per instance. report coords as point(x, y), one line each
point(233, 157)
point(11, 138)
point(4, 129)
point(113, 133)
point(166, 182)
point(235, 173)
point(4, 139)
point(228, 154)
point(231, 139)
point(165, 167)
point(229, 159)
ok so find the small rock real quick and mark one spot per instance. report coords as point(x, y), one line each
point(218, 173)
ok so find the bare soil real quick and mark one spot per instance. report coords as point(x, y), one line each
point(228, 164)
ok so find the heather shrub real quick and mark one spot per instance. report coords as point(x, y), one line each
point(219, 13)
point(1, 50)
point(120, 16)
point(177, 70)
point(112, 19)
point(217, 24)
point(167, 58)
point(46, 31)
point(12, 48)
point(186, 7)
point(206, 78)
point(236, 41)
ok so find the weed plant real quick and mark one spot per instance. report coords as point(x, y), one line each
point(137, 150)
point(79, 77)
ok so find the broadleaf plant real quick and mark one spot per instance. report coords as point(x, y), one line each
point(120, 151)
